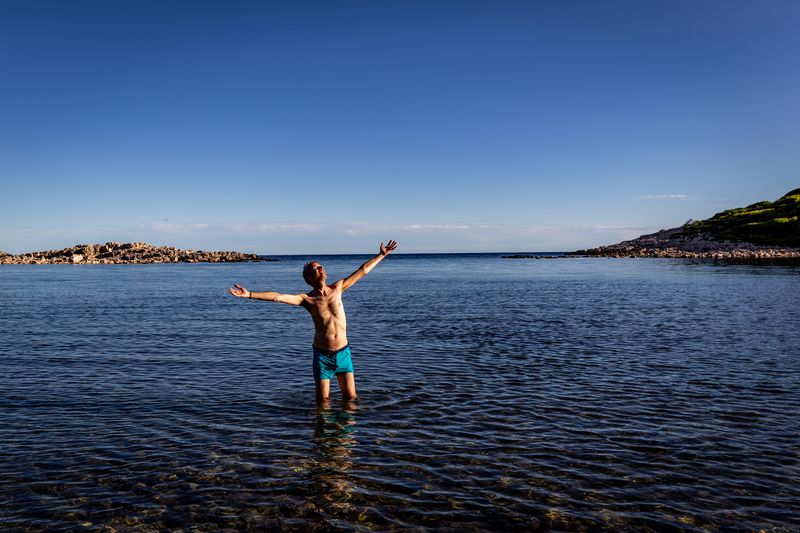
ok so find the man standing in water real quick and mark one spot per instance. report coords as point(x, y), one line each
point(324, 302)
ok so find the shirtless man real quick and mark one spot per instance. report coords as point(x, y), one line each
point(324, 302)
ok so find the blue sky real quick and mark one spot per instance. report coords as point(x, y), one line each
point(325, 127)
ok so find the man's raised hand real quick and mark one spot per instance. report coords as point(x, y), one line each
point(388, 248)
point(239, 291)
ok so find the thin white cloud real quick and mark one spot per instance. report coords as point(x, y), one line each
point(170, 227)
point(276, 238)
point(353, 229)
point(244, 228)
point(614, 228)
point(664, 197)
point(326, 238)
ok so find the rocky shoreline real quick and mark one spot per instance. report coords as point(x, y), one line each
point(115, 253)
point(672, 243)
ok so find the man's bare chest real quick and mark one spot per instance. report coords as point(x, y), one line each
point(326, 306)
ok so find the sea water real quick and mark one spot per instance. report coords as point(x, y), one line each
point(499, 394)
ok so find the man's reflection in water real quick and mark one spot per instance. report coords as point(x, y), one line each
point(334, 441)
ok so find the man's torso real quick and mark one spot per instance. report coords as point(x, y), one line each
point(330, 324)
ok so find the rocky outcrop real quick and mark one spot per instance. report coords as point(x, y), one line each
point(126, 253)
point(674, 243)
point(764, 230)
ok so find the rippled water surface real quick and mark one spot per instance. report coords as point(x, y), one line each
point(567, 394)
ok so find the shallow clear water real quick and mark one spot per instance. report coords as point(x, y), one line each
point(565, 394)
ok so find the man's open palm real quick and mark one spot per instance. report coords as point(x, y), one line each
point(239, 291)
point(388, 248)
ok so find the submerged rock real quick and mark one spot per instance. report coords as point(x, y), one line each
point(126, 253)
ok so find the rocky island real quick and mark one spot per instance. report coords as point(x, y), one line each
point(125, 253)
point(764, 230)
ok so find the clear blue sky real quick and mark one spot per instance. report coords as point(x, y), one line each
point(325, 127)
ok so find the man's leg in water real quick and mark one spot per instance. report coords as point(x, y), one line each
point(323, 387)
point(347, 384)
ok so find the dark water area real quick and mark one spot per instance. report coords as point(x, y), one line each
point(568, 394)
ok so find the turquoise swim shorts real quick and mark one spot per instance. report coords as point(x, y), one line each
point(328, 363)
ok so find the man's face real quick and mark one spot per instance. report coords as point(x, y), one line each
point(316, 272)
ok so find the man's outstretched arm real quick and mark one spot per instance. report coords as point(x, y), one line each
point(291, 299)
point(364, 269)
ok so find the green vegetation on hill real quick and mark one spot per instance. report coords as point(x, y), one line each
point(772, 223)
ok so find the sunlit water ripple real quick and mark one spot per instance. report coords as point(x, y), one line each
point(569, 394)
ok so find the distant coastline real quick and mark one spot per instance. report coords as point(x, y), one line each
point(764, 230)
point(672, 243)
point(115, 253)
